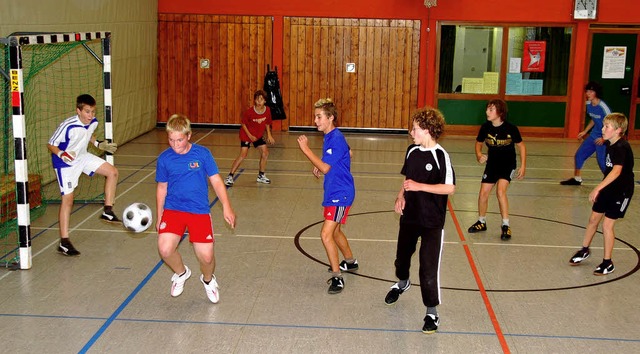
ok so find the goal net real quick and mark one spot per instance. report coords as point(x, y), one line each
point(43, 74)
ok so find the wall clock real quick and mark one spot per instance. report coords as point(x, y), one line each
point(585, 9)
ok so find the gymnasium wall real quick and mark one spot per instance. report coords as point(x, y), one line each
point(133, 27)
point(538, 13)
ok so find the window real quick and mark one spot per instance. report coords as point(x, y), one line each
point(470, 59)
point(536, 62)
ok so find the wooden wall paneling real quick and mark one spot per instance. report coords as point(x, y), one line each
point(223, 70)
point(180, 42)
point(350, 112)
point(399, 63)
point(298, 78)
point(246, 70)
point(238, 73)
point(162, 63)
point(299, 89)
point(385, 120)
point(190, 85)
point(383, 91)
point(230, 116)
point(336, 63)
point(211, 33)
point(406, 85)
point(415, 70)
point(308, 66)
point(306, 90)
point(370, 75)
point(288, 67)
point(392, 117)
point(198, 85)
point(324, 53)
point(410, 88)
point(331, 48)
point(174, 50)
point(237, 49)
point(361, 71)
point(313, 81)
point(258, 58)
point(252, 70)
point(377, 119)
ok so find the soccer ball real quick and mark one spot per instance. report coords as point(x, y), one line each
point(137, 217)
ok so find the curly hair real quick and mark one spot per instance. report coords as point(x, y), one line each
point(431, 119)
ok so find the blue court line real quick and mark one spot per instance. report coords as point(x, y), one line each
point(126, 302)
point(362, 329)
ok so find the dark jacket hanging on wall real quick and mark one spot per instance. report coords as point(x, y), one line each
point(274, 97)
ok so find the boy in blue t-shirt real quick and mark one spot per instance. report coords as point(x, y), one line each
point(339, 190)
point(596, 110)
point(182, 196)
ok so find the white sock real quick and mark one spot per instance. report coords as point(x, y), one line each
point(482, 219)
point(578, 178)
point(505, 222)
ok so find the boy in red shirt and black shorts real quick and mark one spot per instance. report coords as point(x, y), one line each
point(255, 122)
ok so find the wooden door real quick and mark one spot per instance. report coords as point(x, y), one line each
point(382, 91)
point(237, 50)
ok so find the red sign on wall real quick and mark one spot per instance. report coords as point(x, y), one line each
point(533, 56)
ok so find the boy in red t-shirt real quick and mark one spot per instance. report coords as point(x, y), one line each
point(255, 121)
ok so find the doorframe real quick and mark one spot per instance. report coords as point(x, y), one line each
point(635, 100)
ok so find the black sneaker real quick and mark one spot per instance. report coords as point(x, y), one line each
point(344, 266)
point(109, 216)
point(394, 293)
point(431, 323)
point(579, 257)
point(336, 284)
point(506, 233)
point(67, 249)
point(604, 269)
point(571, 182)
point(478, 226)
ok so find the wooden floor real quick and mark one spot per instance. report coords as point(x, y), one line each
point(518, 296)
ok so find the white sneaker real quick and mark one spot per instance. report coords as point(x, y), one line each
point(228, 181)
point(211, 289)
point(263, 179)
point(178, 282)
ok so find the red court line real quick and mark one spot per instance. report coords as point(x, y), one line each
point(476, 275)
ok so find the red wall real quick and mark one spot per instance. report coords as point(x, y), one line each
point(611, 11)
point(487, 11)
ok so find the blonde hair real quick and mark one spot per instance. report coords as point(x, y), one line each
point(179, 123)
point(618, 120)
point(328, 107)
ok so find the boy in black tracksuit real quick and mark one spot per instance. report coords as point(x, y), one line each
point(422, 204)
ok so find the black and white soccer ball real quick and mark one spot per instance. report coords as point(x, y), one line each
point(137, 217)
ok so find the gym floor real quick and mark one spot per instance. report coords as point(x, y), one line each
point(516, 296)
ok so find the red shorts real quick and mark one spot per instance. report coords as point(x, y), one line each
point(177, 222)
point(338, 214)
